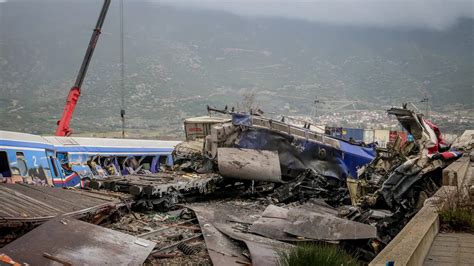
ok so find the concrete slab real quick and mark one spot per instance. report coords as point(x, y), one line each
point(456, 173)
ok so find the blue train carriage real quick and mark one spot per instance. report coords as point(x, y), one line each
point(28, 158)
point(101, 157)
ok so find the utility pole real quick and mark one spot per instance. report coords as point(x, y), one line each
point(122, 71)
point(314, 110)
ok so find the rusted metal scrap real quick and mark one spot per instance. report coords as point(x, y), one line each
point(78, 243)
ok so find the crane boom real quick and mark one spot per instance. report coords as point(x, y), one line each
point(75, 92)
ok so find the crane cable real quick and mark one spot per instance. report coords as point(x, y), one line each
point(122, 71)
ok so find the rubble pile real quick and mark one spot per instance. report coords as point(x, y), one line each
point(176, 233)
point(161, 190)
point(254, 188)
point(310, 185)
point(24, 207)
point(402, 177)
point(306, 187)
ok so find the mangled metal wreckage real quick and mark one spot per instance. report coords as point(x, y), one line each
point(249, 144)
point(368, 194)
point(325, 189)
point(403, 176)
point(269, 185)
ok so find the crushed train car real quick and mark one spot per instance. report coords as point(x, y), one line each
point(404, 174)
point(297, 149)
point(69, 161)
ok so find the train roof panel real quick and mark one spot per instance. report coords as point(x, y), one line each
point(111, 146)
point(9, 138)
point(87, 145)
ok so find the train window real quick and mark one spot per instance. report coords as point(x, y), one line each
point(145, 162)
point(163, 160)
point(21, 163)
point(4, 166)
point(146, 166)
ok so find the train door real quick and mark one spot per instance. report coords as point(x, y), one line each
point(54, 165)
point(4, 165)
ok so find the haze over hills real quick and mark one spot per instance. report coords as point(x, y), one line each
point(178, 60)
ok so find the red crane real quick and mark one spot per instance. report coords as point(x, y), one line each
point(63, 123)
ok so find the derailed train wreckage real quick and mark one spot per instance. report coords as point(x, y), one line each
point(385, 188)
point(268, 185)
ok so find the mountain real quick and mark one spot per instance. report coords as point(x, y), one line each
point(178, 60)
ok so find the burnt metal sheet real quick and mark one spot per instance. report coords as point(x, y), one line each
point(249, 164)
point(273, 211)
point(30, 203)
point(271, 224)
point(319, 206)
point(221, 249)
point(274, 219)
point(273, 228)
point(324, 226)
point(311, 221)
point(263, 251)
point(78, 243)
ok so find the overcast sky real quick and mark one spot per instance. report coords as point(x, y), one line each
point(433, 14)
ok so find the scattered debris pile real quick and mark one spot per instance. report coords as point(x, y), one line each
point(176, 233)
point(311, 187)
point(161, 190)
point(402, 177)
point(255, 187)
point(26, 206)
point(310, 184)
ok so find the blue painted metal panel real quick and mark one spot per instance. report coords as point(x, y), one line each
point(70, 161)
point(355, 157)
point(35, 160)
point(113, 150)
point(298, 154)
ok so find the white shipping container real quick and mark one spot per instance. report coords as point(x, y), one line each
point(200, 127)
point(382, 136)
